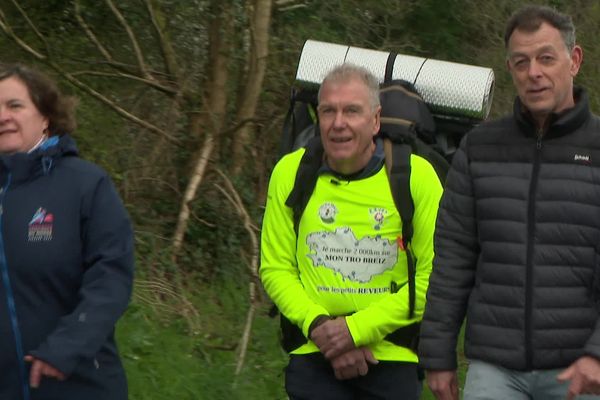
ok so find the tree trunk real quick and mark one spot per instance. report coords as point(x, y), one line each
point(212, 121)
point(261, 21)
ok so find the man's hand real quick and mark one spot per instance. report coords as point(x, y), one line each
point(333, 338)
point(353, 363)
point(443, 384)
point(584, 375)
point(40, 369)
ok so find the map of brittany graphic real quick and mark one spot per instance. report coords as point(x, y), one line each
point(356, 260)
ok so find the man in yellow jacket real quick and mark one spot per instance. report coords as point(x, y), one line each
point(340, 276)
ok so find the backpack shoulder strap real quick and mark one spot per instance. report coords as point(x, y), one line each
point(439, 163)
point(389, 67)
point(397, 164)
point(306, 178)
point(300, 115)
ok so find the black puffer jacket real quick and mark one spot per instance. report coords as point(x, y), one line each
point(517, 243)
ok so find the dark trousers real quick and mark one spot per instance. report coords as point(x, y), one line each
point(311, 377)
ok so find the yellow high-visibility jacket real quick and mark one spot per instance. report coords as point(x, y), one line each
point(346, 257)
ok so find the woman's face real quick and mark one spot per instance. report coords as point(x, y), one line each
point(21, 124)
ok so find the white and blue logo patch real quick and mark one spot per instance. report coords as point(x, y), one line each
point(327, 212)
point(378, 214)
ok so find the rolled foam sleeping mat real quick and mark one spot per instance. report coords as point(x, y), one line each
point(449, 89)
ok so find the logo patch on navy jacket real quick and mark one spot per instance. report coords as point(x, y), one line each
point(40, 226)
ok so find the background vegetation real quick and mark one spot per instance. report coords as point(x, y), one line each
point(182, 101)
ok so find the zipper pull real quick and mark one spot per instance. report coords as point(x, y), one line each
point(540, 135)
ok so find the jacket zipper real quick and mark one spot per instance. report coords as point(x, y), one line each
point(12, 310)
point(529, 263)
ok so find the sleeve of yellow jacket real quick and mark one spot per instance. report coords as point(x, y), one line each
point(278, 271)
point(373, 323)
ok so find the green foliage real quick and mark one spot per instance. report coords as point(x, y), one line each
point(446, 40)
point(164, 360)
point(179, 340)
point(217, 241)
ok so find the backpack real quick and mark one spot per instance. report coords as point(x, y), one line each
point(407, 126)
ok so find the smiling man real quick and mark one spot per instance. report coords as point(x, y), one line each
point(518, 233)
point(348, 121)
point(339, 276)
point(543, 66)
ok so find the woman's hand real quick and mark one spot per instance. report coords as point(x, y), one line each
point(40, 369)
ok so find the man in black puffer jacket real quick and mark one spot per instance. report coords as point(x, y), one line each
point(518, 235)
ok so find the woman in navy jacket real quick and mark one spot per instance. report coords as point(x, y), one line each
point(66, 252)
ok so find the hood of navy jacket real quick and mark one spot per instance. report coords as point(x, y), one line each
point(27, 166)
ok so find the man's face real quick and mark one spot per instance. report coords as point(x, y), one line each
point(542, 70)
point(348, 123)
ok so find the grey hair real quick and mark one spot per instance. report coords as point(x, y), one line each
point(531, 17)
point(345, 72)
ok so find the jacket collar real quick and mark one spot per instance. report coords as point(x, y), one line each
point(26, 166)
point(372, 167)
point(560, 124)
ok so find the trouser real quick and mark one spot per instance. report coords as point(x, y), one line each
point(311, 377)
point(490, 382)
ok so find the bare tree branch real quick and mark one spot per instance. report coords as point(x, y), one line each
point(101, 48)
point(73, 80)
point(119, 110)
point(134, 43)
point(234, 198)
point(289, 5)
point(112, 62)
point(168, 53)
point(8, 30)
point(90, 34)
point(168, 296)
point(152, 83)
point(190, 193)
point(32, 25)
point(120, 66)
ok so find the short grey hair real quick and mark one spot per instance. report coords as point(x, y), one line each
point(347, 71)
point(531, 17)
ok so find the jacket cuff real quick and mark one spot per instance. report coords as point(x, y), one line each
point(592, 350)
point(358, 339)
point(61, 364)
point(311, 316)
point(437, 365)
point(316, 322)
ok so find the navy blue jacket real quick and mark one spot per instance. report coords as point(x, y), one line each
point(66, 269)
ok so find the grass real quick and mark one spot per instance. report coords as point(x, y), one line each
point(168, 357)
point(164, 359)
